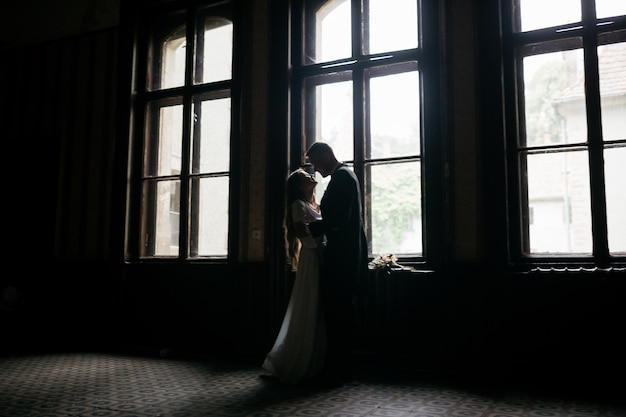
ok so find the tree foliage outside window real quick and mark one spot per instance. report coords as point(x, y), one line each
point(542, 119)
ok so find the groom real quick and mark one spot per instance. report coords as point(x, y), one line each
point(345, 258)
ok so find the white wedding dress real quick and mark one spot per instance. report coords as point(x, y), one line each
point(298, 352)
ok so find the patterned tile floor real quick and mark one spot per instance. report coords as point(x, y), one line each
point(106, 385)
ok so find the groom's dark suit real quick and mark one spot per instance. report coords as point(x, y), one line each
point(344, 266)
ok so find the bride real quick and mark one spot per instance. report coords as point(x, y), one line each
point(298, 351)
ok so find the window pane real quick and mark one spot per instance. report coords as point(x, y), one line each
point(215, 46)
point(211, 146)
point(609, 8)
point(559, 207)
point(392, 28)
point(555, 98)
point(167, 59)
point(160, 214)
point(332, 123)
point(612, 61)
point(333, 32)
point(615, 180)
point(395, 115)
point(537, 14)
point(210, 215)
point(163, 142)
point(396, 208)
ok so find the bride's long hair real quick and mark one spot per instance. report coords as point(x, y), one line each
point(293, 192)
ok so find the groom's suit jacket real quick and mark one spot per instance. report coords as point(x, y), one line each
point(345, 257)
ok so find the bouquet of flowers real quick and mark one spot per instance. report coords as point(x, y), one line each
point(385, 260)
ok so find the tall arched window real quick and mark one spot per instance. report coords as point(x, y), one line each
point(182, 142)
point(366, 81)
point(564, 63)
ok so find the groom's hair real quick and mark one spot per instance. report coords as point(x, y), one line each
point(319, 148)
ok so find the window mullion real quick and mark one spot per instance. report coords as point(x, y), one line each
point(360, 104)
point(594, 137)
point(360, 100)
point(357, 8)
point(186, 137)
point(594, 132)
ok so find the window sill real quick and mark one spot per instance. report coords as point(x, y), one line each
point(405, 270)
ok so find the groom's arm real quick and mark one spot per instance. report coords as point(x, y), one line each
point(317, 228)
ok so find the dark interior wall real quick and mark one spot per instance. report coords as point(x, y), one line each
point(25, 23)
point(61, 124)
point(60, 132)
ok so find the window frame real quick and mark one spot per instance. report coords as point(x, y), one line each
point(427, 58)
point(519, 210)
point(143, 20)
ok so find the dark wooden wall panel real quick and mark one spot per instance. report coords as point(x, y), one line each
point(62, 131)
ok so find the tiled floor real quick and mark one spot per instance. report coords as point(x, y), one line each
point(104, 384)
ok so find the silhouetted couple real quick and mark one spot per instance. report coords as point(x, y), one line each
point(314, 344)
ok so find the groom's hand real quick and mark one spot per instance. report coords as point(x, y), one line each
point(316, 228)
